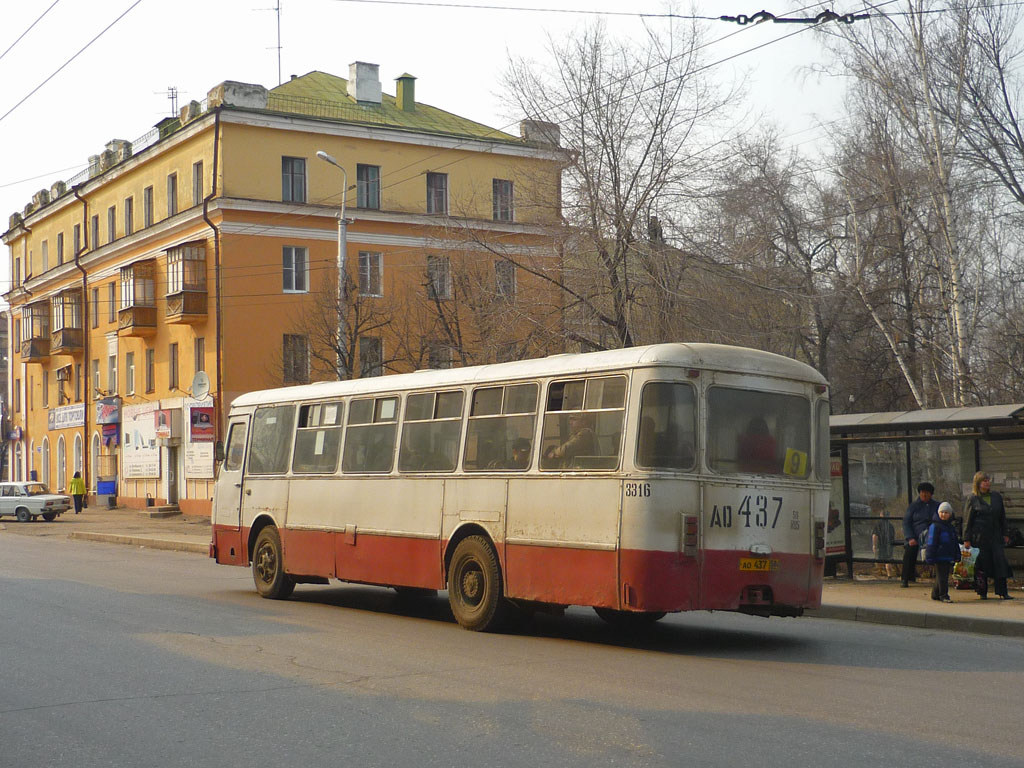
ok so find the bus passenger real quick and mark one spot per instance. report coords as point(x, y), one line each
point(581, 441)
point(756, 448)
point(520, 453)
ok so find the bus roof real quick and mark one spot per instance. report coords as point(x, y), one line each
point(718, 357)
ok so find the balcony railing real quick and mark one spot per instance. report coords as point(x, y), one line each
point(186, 306)
point(136, 321)
point(65, 341)
point(35, 350)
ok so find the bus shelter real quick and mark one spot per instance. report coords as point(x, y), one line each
point(878, 459)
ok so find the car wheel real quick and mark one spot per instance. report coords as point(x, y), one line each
point(268, 566)
point(22, 514)
point(49, 516)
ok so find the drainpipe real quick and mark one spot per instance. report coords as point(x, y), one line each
point(86, 389)
point(217, 403)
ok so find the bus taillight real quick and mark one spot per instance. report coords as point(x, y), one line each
point(819, 539)
point(690, 535)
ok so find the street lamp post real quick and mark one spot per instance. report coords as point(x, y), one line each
point(343, 371)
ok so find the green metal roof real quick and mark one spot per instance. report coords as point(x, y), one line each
point(319, 94)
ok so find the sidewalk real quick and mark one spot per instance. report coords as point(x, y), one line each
point(862, 599)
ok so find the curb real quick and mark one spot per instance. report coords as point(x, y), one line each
point(921, 620)
point(143, 541)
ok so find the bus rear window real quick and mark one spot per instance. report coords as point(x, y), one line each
point(764, 433)
point(668, 423)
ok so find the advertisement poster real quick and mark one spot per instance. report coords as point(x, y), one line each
point(201, 435)
point(163, 423)
point(201, 423)
point(835, 531)
point(108, 410)
point(140, 455)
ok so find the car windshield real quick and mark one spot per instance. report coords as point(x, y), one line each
point(35, 489)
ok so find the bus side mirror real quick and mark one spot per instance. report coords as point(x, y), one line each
point(218, 451)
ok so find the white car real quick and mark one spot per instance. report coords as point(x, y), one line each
point(27, 501)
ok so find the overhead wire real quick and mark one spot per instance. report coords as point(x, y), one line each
point(30, 26)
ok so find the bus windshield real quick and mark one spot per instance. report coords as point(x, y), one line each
point(765, 433)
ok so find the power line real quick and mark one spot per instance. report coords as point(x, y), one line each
point(478, 7)
point(75, 56)
point(29, 29)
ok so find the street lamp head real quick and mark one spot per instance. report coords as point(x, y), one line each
point(325, 157)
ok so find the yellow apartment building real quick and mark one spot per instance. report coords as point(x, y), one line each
point(201, 261)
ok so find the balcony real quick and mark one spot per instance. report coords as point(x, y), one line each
point(136, 321)
point(35, 350)
point(186, 307)
point(66, 341)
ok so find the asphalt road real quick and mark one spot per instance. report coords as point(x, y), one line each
point(115, 656)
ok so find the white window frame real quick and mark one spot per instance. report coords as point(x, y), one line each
point(289, 272)
point(371, 273)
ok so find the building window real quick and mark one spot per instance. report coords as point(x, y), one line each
point(370, 274)
point(78, 382)
point(186, 269)
point(439, 355)
point(294, 270)
point(111, 223)
point(129, 373)
point(112, 373)
point(150, 355)
point(17, 395)
point(129, 216)
point(96, 376)
point(172, 366)
point(66, 311)
point(137, 285)
point(76, 239)
point(437, 193)
point(505, 279)
point(172, 194)
point(439, 277)
point(293, 179)
point(371, 356)
point(147, 207)
point(295, 355)
point(502, 199)
point(199, 352)
point(60, 248)
point(45, 250)
point(112, 302)
point(17, 270)
point(197, 182)
point(368, 186)
point(94, 225)
point(95, 308)
point(46, 388)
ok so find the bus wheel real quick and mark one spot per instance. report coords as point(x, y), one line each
point(474, 586)
point(268, 566)
point(629, 619)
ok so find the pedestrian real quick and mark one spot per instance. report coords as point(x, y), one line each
point(916, 520)
point(986, 530)
point(942, 549)
point(77, 489)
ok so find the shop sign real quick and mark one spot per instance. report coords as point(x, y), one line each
point(65, 417)
point(108, 410)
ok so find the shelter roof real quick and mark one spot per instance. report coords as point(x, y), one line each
point(929, 418)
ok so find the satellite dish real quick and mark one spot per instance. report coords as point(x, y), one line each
point(200, 385)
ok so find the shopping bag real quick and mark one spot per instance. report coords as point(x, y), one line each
point(963, 572)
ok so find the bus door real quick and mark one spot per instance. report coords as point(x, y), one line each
point(227, 509)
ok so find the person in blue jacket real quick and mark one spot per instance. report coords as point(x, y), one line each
point(915, 522)
point(942, 549)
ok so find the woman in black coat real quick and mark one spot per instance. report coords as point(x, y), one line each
point(986, 530)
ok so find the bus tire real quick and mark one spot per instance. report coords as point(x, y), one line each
point(23, 515)
point(268, 566)
point(474, 586)
point(629, 619)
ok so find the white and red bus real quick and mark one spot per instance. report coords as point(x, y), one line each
point(639, 481)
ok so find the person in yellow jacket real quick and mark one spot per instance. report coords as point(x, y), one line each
point(77, 489)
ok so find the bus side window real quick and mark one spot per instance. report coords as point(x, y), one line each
point(371, 435)
point(430, 434)
point(500, 429)
point(271, 440)
point(668, 420)
point(318, 438)
point(583, 423)
point(236, 447)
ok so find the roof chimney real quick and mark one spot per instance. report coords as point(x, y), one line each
point(405, 92)
point(364, 82)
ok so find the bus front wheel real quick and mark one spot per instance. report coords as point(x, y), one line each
point(629, 619)
point(268, 566)
point(474, 586)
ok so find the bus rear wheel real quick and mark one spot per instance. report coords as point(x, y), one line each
point(268, 566)
point(474, 586)
point(629, 619)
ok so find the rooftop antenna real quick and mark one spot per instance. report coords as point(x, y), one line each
point(172, 95)
point(277, 11)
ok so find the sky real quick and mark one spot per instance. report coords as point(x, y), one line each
point(57, 108)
